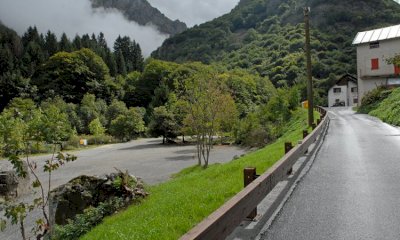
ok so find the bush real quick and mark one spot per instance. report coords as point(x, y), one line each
point(372, 99)
point(73, 141)
point(388, 109)
point(92, 216)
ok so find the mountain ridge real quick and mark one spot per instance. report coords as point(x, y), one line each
point(141, 12)
point(267, 36)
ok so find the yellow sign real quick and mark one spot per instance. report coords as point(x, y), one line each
point(304, 104)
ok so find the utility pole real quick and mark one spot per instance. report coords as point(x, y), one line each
point(310, 95)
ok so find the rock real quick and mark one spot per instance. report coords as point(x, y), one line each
point(11, 185)
point(82, 192)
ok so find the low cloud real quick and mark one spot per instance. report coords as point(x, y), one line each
point(194, 11)
point(76, 17)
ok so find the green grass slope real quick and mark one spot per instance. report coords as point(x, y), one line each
point(388, 110)
point(176, 206)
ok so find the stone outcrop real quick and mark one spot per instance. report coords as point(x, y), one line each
point(82, 192)
point(11, 185)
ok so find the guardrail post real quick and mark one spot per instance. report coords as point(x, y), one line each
point(318, 121)
point(313, 126)
point(288, 147)
point(305, 133)
point(250, 175)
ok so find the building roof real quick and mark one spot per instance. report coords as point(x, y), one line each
point(377, 35)
point(343, 81)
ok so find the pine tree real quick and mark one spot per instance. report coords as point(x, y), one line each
point(51, 44)
point(65, 44)
point(77, 43)
point(121, 65)
point(111, 63)
point(31, 35)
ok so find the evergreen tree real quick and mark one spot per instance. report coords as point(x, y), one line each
point(77, 42)
point(111, 63)
point(121, 65)
point(65, 44)
point(102, 43)
point(31, 35)
point(51, 44)
point(85, 41)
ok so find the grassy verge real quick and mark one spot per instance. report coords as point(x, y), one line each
point(388, 110)
point(176, 206)
point(373, 99)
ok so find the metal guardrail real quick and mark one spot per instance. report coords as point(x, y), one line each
point(224, 220)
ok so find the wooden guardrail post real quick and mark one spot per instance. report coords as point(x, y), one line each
point(305, 133)
point(288, 147)
point(250, 174)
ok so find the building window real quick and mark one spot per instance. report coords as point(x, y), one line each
point(353, 89)
point(337, 90)
point(355, 100)
point(374, 45)
point(374, 63)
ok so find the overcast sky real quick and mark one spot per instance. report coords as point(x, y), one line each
point(194, 11)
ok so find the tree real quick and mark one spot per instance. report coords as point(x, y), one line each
point(72, 75)
point(121, 64)
point(131, 52)
point(65, 43)
point(128, 126)
point(154, 74)
point(131, 81)
point(18, 133)
point(115, 109)
point(208, 108)
point(163, 123)
point(96, 128)
point(12, 85)
point(51, 44)
point(90, 109)
point(394, 60)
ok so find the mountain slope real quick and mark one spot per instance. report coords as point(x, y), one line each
point(143, 13)
point(267, 36)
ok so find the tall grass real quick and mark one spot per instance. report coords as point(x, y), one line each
point(176, 206)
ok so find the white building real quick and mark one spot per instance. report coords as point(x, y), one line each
point(373, 49)
point(344, 92)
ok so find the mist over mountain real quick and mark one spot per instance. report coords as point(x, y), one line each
point(77, 17)
point(194, 12)
point(140, 11)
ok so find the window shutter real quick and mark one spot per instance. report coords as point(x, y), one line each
point(374, 63)
point(396, 70)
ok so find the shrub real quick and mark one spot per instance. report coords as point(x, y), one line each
point(372, 99)
point(92, 216)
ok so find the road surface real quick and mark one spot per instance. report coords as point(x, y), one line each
point(148, 159)
point(352, 190)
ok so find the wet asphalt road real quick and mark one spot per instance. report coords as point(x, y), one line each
point(352, 190)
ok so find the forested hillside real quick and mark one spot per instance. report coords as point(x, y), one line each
point(95, 90)
point(267, 36)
